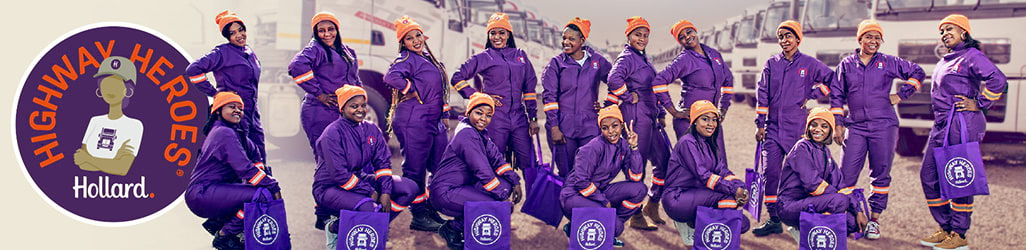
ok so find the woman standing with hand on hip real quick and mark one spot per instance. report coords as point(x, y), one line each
point(630, 86)
point(957, 90)
point(509, 78)
point(789, 79)
point(420, 81)
point(863, 83)
point(324, 65)
point(571, 82)
point(236, 69)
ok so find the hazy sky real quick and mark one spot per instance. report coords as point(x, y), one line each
point(608, 17)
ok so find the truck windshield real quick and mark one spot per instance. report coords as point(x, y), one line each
point(919, 4)
point(774, 16)
point(746, 33)
point(832, 15)
point(724, 38)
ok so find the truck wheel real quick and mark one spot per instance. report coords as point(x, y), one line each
point(910, 144)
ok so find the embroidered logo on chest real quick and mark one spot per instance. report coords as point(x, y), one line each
point(370, 140)
point(879, 65)
point(802, 71)
point(717, 60)
point(955, 67)
point(521, 59)
point(594, 65)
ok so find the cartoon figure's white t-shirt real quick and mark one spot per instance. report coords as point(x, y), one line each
point(104, 137)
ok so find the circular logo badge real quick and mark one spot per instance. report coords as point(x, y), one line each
point(486, 229)
point(591, 234)
point(265, 230)
point(106, 126)
point(822, 238)
point(959, 172)
point(362, 237)
point(716, 236)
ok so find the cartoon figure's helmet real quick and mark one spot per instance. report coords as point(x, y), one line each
point(118, 66)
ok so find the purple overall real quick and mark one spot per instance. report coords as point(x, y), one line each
point(571, 91)
point(319, 71)
point(598, 163)
point(352, 163)
point(958, 73)
point(236, 69)
point(472, 169)
point(703, 77)
point(317, 74)
point(226, 177)
point(507, 73)
point(811, 178)
point(417, 122)
point(782, 92)
point(633, 73)
point(698, 177)
point(871, 122)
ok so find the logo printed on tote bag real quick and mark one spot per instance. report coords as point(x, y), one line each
point(959, 172)
point(591, 234)
point(822, 238)
point(362, 237)
point(265, 230)
point(716, 236)
point(106, 126)
point(486, 229)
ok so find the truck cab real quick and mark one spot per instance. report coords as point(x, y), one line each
point(918, 41)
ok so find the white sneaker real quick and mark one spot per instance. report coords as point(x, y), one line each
point(873, 230)
point(795, 233)
point(687, 233)
point(332, 239)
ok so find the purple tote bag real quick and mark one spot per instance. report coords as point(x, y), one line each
point(486, 224)
point(960, 166)
point(592, 228)
point(717, 229)
point(823, 231)
point(362, 230)
point(755, 182)
point(265, 224)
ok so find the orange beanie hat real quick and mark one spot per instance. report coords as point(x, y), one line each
point(479, 98)
point(820, 113)
point(499, 20)
point(635, 22)
point(404, 25)
point(224, 98)
point(583, 24)
point(611, 111)
point(958, 20)
point(701, 107)
point(867, 26)
point(324, 16)
point(225, 18)
point(797, 27)
point(679, 27)
point(347, 92)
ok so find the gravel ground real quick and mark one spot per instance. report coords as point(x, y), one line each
point(906, 220)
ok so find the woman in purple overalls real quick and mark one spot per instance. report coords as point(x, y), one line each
point(703, 76)
point(598, 163)
point(420, 80)
point(630, 86)
point(789, 79)
point(354, 170)
point(227, 173)
point(472, 169)
point(510, 79)
point(957, 88)
point(863, 83)
point(324, 65)
point(571, 82)
point(236, 69)
point(811, 179)
point(698, 173)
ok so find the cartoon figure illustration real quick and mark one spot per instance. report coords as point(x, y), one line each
point(111, 141)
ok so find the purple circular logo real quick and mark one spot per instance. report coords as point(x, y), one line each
point(591, 235)
point(106, 126)
point(716, 236)
point(959, 172)
point(486, 229)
